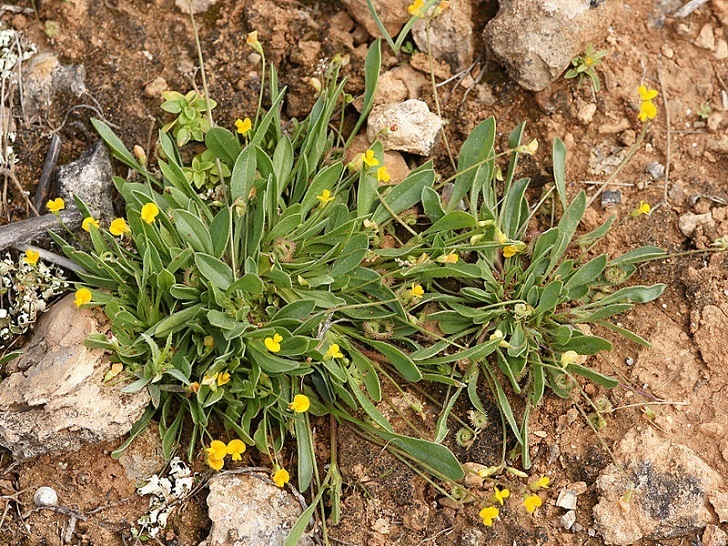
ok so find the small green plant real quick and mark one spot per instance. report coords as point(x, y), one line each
point(585, 65)
point(190, 123)
point(704, 111)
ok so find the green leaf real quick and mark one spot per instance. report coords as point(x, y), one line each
point(368, 407)
point(630, 294)
point(177, 321)
point(325, 179)
point(432, 204)
point(398, 359)
point(306, 457)
point(452, 221)
point(406, 194)
point(503, 404)
point(249, 283)
point(586, 274)
point(214, 270)
point(243, 175)
point(368, 185)
point(351, 256)
point(372, 65)
point(268, 362)
point(193, 231)
point(117, 147)
point(297, 310)
point(638, 255)
point(476, 151)
point(220, 232)
point(514, 211)
point(559, 159)
point(223, 144)
point(584, 345)
point(590, 374)
point(435, 458)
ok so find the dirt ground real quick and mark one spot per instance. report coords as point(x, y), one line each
point(125, 44)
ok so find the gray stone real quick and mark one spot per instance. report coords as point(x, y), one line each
point(44, 77)
point(535, 40)
point(706, 38)
point(566, 500)
point(450, 35)
point(248, 510)
point(655, 169)
point(672, 491)
point(407, 126)
point(198, 6)
point(690, 221)
point(90, 177)
point(568, 520)
point(611, 198)
point(57, 400)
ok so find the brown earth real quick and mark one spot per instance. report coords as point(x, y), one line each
point(125, 44)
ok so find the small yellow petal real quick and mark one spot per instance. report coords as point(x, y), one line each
point(119, 227)
point(31, 256)
point(488, 514)
point(83, 295)
point(236, 448)
point(646, 94)
point(532, 502)
point(300, 403)
point(281, 477)
point(244, 126)
point(56, 205)
point(383, 174)
point(223, 378)
point(325, 197)
point(149, 212)
point(334, 351)
point(369, 159)
point(88, 222)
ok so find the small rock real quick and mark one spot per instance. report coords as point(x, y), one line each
point(450, 35)
point(568, 520)
point(566, 500)
point(671, 488)
point(415, 516)
point(577, 527)
point(715, 119)
point(667, 51)
point(247, 510)
point(90, 177)
point(407, 127)
point(690, 221)
point(392, 13)
point(44, 77)
point(426, 64)
point(254, 58)
point(535, 40)
point(611, 198)
point(627, 138)
point(155, 88)
point(198, 6)
point(45, 496)
point(714, 536)
point(718, 146)
point(396, 167)
point(585, 113)
point(307, 53)
point(613, 128)
point(390, 89)
point(706, 38)
point(58, 401)
point(655, 169)
point(721, 50)
point(579, 488)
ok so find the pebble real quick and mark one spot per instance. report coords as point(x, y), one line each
point(628, 137)
point(45, 496)
point(577, 527)
point(655, 169)
point(611, 198)
point(629, 361)
point(586, 112)
point(721, 50)
point(154, 88)
point(690, 221)
point(714, 121)
point(706, 38)
point(568, 520)
point(714, 536)
point(667, 51)
point(566, 500)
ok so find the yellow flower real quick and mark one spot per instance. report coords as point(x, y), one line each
point(334, 351)
point(194, 387)
point(236, 448)
point(499, 335)
point(216, 451)
point(417, 291)
point(532, 502)
point(88, 222)
point(501, 494)
point(501, 237)
point(119, 227)
point(273, 344)
point(383, 174)
point(215, 464)
point(646, 94)
point(56, 205)
point(451, 258)
point(281, 477)
point(572, 357)
point(208, 342)
point(369, 159)
point(415, 8)
point(83, 295)
point(244, 125)
point(149, 212)
point(644, 208)
point(542, 482)
point(488, 514)
point(325, 197)
point(209, 380)
point(647, 111)
point(31, 256)
point(300, 403)
point(252, 41)
point(216, 454)
point(512, 250)
point(222, 378)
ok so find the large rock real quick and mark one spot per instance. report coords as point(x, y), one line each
point(450, 35)
point(408, 126)
point(674, 492)
point(392, 13)
point(535, 40)
point(248, 510)
point(57, 400)
point(44, 78)
point(90, 178)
